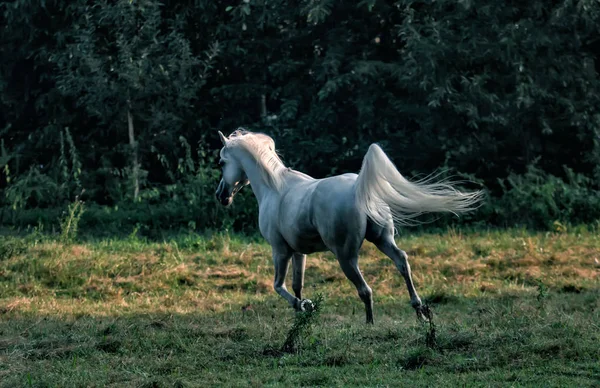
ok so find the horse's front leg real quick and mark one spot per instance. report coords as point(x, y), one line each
point(298, 265)
point(281, 260)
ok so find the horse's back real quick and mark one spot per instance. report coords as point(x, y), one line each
point(336, 195)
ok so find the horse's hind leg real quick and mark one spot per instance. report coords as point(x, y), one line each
point(350, 267)
point(298, 264)
point(387, 245)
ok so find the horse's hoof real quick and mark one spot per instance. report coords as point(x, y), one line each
point(424, 313)
point(307, 305)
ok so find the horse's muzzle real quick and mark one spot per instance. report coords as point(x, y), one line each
point(226, 201)
point(223, 195)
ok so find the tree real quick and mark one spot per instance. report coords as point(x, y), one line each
point(114, 96)
point(126, 67)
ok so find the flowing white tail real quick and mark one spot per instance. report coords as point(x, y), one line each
point(384, 194)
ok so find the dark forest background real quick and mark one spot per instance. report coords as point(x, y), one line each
point(121, 100)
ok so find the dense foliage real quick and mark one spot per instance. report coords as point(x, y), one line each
point(122, 99)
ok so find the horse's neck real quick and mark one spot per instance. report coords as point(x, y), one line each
point(256, 176)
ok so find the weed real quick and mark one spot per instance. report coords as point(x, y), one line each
point(574, 288)
point(10, 246)
point(542, 293)
point(440, 297)
point(70, 222)
point(108, 345)
point(303, 321)
point(481, 250)
point(426, 314)
point(417, 359)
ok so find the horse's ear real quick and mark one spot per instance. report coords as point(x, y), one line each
point(223, 138)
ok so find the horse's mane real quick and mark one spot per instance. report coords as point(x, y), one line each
point(262, 149)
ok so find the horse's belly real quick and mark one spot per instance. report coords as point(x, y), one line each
point(307, 244)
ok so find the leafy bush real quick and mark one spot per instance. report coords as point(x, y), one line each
point(537, 199)
point(188, 205)
point(33, 189)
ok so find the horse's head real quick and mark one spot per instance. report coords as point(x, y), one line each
point(233, 176)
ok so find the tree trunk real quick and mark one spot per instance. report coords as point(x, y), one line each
point(263, 106)
point(134, 152)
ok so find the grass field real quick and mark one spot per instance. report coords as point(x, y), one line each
point(511, 308)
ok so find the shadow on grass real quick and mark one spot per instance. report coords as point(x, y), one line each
point(486, 339)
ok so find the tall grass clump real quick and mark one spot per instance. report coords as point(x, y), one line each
point(303, 322)
point(69, 223)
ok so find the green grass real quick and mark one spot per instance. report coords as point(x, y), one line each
point(511, 308)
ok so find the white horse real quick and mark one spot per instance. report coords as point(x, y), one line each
point(299, 215)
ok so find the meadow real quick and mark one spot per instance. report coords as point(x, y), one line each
point(511, 308)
